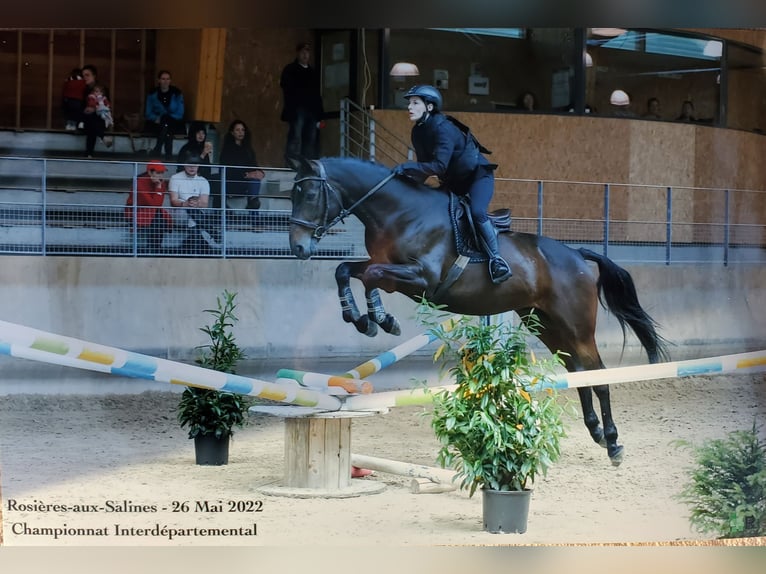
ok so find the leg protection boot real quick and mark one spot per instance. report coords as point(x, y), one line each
point(499, 270)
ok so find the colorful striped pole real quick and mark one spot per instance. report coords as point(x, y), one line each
point(743, 362)
point(28, 343)
point(399, 352)
point(738, 363)
point(320, 380)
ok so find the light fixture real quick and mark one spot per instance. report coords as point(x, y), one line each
point(608, 32)
point(713, 49)
point(588, 60)
point(401, 69)
point(619, 98)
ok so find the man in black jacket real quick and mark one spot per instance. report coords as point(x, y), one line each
point(302, 106)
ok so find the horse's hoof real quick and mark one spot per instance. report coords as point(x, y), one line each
point(616, 455)
point(391, 325)
point(372, 330)
point(366, 327)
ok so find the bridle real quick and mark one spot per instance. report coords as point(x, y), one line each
point(326, 188)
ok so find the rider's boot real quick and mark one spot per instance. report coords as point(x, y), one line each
point(499, 270)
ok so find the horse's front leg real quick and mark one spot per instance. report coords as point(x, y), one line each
point(405, 279)
point(351, 314)
point(377, 313)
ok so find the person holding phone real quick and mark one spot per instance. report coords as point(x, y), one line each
point(189, 197)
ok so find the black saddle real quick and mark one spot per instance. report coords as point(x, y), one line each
point(466, 239)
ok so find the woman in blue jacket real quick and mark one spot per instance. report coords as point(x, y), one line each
point(164, 113)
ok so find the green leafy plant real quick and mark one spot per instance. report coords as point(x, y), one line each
point(207, 411)
point(502, 426)
point(726, 490)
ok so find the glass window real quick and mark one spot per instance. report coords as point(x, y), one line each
point(746, 101)
point(487, 69)
point(653, 75)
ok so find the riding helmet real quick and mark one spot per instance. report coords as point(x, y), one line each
point(428, 94)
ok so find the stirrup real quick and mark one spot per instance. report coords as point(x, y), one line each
point(503, 275)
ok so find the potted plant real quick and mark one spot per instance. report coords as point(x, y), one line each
point(212, 415)
point(727, 485)
point(502, 425)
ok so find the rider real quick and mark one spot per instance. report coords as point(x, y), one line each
point(454, 156)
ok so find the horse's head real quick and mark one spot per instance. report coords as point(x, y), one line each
point(315, 204)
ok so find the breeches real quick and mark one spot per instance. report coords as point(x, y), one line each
point(480, 191)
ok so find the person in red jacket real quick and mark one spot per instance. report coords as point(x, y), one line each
point(72, 97)
point(151, 221)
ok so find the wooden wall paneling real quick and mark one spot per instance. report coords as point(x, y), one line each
point(67, 54)
point(113, 95)
point(178, 51)
point(48, 114)
point(8, 70)
point(209, 90)
point(19, 51)
point(98, 52)
point(34, 95)
point(129, 73)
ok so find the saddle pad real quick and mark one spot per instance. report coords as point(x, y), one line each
point(466, 241)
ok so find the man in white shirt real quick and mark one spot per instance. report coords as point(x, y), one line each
point(189, 195)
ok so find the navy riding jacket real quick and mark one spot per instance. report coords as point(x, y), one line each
point(445, 151)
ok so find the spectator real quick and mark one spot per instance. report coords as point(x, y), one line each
point(242, 178)
point(198, 145)
point(652, 109)
point(93, 124)
point(72, 98)
point(687, 112)
point(302, 105)
point(189, 196)
point(164, 114)
point(527, 102)
point(98, 101)
point(152, 222)
point(620, 103)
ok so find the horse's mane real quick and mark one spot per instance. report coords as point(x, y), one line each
point(371, 168)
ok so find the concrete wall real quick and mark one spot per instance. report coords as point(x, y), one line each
point(289, 309)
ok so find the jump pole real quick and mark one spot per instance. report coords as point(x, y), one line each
point(399, 352)
point(27, 343)
point(752, 362)
point(383, 360)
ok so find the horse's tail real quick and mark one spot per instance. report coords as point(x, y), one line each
point(617, 293)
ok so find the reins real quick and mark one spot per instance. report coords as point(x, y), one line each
point(320, 230)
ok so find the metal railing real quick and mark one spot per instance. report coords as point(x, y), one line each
point(361, 136)
point(78, 207)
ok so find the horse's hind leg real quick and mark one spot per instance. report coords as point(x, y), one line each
point(582, 355)
point(351, 314)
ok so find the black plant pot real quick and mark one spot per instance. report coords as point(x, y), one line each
point(505, 511)
point(210, 450)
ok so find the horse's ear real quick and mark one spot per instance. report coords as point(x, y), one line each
point(299, 164)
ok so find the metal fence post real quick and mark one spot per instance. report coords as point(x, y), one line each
point(540, 207)
point(372, 139)
point(44, 215)
point(726, 229)
point(668, 225)
point(606, 220)
point(224, 209)
point(343, 126)
point(134, 218)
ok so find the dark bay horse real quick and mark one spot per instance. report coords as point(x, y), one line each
point(411, 244)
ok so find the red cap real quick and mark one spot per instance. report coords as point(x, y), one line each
point(155, 165)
